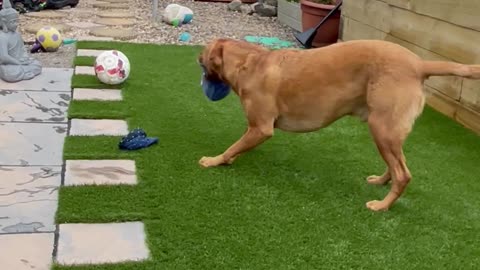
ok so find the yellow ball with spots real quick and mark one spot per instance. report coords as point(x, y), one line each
point(49, 38)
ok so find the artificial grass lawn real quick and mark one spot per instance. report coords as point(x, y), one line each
point(295, 202)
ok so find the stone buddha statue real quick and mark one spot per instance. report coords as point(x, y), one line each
point(15, 63)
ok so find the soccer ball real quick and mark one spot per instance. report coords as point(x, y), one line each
point(112, 67)
point(49, 38)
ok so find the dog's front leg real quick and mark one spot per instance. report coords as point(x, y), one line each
point(253, 136)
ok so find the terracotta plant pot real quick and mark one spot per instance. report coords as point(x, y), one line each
point(312, 14)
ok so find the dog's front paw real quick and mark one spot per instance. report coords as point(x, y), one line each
point(210, 161)
point(377, 206)
point(377, 180)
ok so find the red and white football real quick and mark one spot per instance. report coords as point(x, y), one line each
point(112, 67)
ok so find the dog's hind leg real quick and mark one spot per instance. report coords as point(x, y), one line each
point(389, 144)
point(390, 123)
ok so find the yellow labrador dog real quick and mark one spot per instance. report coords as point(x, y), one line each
point(306, 90)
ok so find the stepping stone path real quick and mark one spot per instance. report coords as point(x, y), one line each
point(84, 70)
point(101, 243)
point(115, 18)
point(110, 5)
point(115, 21)
point(98, 127)
point(33, 127)
point(97, 94)
point(84, 25)
point(119, 14)
point(79, 12)
point(62, 28)
point(93, 38)
point(99, 172)
point(100, 20)
point(116, 1)
point(120, 34)
point(47, 14)
point(90, 53)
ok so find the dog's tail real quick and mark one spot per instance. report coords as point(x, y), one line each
point(444, 68)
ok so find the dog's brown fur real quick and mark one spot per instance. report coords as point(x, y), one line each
point(306, 90)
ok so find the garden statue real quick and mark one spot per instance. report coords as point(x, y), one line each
point(15, 63)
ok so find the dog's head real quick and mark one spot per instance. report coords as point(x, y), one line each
point(211, 59)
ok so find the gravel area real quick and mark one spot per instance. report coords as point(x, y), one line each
point(211, 20)
point(63, 58)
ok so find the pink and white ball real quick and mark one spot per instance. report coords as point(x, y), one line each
point(112, 67)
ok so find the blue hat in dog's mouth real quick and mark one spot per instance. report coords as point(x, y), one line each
point(213, 90)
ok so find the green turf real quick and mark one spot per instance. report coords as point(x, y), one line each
point(84, 61)
point(98, 109)
point(88, 81)
point(296, 202)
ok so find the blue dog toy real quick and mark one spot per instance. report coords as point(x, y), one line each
point(184, 37)
point(136, 139)
point(213, 90)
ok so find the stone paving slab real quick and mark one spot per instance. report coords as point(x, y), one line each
point(98, 127)
point(51, 79)
point(33, 106)
point(26, 251)
point(101, 243)
point(100, 172)
point(111, 5)
point(48, 14)
point(32, 143)
point(33, 28)
point(121, 34)
point(77, 9)
point(116, 10)
point(97, 94)
point(117, 1)
point(91, 53)
point(84, 70)
point(115, 21)
point(83, 25)
point(28, 199)
point(120, 14)
point(93, 38)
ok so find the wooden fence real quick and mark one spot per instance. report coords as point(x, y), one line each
point(433, 29)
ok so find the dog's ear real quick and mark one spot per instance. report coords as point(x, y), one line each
point(216, 54)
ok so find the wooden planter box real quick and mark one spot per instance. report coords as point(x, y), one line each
point(289, 13)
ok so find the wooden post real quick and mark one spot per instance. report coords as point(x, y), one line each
point(155, 10)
